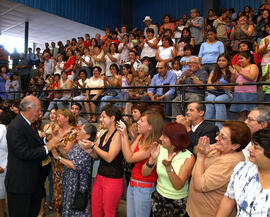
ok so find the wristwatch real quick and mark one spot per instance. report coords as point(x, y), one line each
point(59, 158)
point(149, 165)
point(170, 170)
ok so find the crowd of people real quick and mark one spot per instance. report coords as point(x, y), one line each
point(190, 167)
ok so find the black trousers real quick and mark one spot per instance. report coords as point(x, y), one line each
point(23, 205)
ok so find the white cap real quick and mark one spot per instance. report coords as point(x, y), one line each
point(147, 18)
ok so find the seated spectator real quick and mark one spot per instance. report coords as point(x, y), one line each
point(163, 78)
point(166, 53)
point(210, 50)
point(61, 96)
point(248, 189)
point(194, 75)
point(184, 40)
point(214, 166)
point(124, 48)
point(195, 23)
point(76, 109)
point(170, 159)
point(196, 126)
point(186, 57)
point(80, 45)
point(245, 46)
point(4, 76)
point(210, 19)
point(264, 48)
point(77, 65)
point(111, 56)
point(114, 39)
point(40, 86)
point(220, 75)
point(246, 72)
point(54, 50)
point(107, 33)
point(149, 49)
point(113, 81)
point(59, 64)
point(243, 31)
point(32, 88)
point(81, 83)
point(176, 68)
point(12, 84)
point(95, 81)
point(140, 80)
point(97, 58)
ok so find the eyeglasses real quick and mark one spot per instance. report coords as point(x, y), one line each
point(222, 137)
point(251, 119)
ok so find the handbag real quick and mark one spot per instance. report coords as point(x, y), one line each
point(80, 199)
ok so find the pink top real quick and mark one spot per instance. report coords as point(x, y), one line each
point(246, 88)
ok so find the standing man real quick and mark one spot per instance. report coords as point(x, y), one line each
point(147, 21)
point(25, 153)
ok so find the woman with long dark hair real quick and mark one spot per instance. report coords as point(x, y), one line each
point(220, 75)
point(184, 40)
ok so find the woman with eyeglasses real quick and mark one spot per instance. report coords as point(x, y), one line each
point(213, 168)
point(251, 194)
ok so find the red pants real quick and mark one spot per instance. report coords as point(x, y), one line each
point(106, 193)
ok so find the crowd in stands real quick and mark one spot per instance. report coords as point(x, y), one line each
point(189, 167)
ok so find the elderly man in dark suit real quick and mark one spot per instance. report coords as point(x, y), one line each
point(196, 126)
point(25, 153)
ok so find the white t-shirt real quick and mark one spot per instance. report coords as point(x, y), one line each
point(92, 83)
point(87, 59)
point(109, 63)
point(125, 51)
point(147, 51)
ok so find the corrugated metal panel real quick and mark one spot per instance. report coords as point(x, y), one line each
point(239, 5)
point(96, 13)
point(158, 8)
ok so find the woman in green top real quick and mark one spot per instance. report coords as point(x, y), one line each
point(174, 164)
point(266, 78)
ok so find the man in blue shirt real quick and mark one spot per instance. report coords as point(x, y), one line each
point(164, 77)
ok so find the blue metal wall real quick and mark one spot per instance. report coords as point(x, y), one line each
point(156, 9)
point(96, 13)
point(239, 5)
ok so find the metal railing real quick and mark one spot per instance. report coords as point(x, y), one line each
point(182, 87)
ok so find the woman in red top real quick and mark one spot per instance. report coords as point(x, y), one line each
point(141, 188)
point(70, 64)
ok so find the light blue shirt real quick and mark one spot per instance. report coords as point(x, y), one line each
point(185, 59)
point(210, 52)
point(169, 79)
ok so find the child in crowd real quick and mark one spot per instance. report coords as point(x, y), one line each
point(176, 68)
point(185, 59)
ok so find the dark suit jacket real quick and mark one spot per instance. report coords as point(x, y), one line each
point(25, 153)
point(204, 129)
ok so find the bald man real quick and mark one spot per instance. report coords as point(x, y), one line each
point(25, 153)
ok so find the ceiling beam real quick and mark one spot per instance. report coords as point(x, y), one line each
point(10, 9)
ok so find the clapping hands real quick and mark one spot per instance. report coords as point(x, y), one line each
point(204, 146)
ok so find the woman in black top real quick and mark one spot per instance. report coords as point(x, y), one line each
point(109, 183)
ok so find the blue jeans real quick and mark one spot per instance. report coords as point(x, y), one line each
point(102, 104)
point(139, 202)
point(216, 111)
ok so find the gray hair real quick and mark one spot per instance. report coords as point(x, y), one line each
point(143, 67)
point(194, 10)
point(264, 114)
point(197, 59)
point(27, 103)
